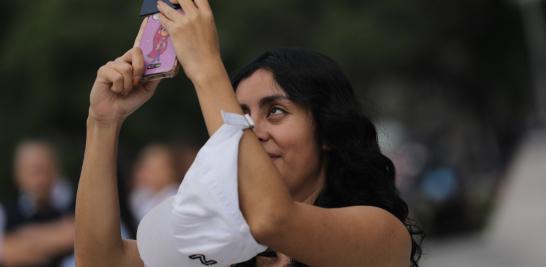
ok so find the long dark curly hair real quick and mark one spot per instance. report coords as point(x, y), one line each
point(357, 173)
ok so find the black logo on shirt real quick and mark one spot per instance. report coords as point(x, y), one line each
point(203, 260)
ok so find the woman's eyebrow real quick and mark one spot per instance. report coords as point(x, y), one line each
point(266, 101)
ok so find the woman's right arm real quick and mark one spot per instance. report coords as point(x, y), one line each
point(116, 93)
point(98, 241)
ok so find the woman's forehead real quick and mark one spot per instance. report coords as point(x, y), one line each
point(257, 86)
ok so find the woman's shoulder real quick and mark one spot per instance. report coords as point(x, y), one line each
point(386, 228)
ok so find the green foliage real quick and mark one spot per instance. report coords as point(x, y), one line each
point(50, 52)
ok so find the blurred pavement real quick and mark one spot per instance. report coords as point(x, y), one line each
point(516, 235)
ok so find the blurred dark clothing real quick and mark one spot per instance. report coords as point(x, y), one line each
point(24, 211)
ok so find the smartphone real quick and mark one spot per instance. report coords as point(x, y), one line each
point(159, 56)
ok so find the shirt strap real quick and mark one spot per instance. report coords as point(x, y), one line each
point(243, 121)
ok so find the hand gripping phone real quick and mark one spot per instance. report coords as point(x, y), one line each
point(159, 56)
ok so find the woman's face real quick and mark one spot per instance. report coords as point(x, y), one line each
point(154, 169)
point(286, 131)
point(36, 171)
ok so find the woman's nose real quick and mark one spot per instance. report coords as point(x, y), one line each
point(260, 130)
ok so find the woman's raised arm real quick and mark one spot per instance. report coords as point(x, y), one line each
point(196, 44)
point(116, 93)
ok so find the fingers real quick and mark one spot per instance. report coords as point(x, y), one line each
point(125, 72)
point(203, 5)
point(151, 85)
point(187, 6)
point(166, 22)
point(143, 93)
point(110, 75)
point(170, 13)
point(138, 65)
point(126, 80)
point(136, 59)
point(170, 17)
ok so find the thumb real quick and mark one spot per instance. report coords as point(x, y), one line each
point(142, 93)
point(150, 85)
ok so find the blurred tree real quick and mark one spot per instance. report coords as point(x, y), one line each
point(468, 54)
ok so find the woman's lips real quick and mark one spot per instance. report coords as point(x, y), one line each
point(273, 156)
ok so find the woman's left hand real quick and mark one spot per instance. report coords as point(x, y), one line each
point(194, 36)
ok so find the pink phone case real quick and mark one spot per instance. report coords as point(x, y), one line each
point(159, 56)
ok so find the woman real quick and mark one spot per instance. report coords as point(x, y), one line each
point(309, 146)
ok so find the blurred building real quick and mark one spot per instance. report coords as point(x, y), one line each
point(516, 232)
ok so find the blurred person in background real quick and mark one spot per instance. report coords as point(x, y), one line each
point(39, 225)
point(156, 177)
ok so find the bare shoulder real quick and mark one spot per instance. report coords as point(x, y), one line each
point(386, 231)
point(349, 236)
point(383, 222)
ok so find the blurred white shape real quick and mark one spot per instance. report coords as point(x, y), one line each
point(516, 235)
point(519, 225)
point(62, 194)
point(143, 200)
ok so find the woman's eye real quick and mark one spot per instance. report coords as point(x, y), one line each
point(276, 111)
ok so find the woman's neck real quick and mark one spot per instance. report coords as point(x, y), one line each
point(310, 192)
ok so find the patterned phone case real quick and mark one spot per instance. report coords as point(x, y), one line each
point(159, 56)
